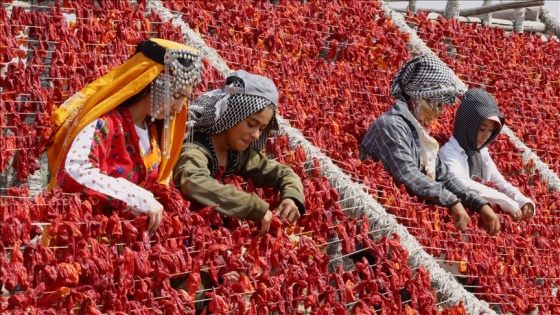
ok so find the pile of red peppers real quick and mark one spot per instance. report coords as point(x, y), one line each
point(333, 63)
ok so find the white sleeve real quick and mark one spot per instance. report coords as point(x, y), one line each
point(458, 165)
point(504, 186)
point(79, 166)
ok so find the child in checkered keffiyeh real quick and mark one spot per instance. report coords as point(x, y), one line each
point(228, 129)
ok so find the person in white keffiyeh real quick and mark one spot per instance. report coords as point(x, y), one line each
point(400, 140)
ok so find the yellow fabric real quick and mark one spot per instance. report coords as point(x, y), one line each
point(105, 94)
point(154, 156)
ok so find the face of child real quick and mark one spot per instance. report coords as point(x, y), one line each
point(484, 132)
point(428, 111)
point(241, 135)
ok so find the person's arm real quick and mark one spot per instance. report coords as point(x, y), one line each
point(269, 173)
point(470, 197)
point(458, 166)
point(192, 174)
point(82, 172)
point(507, 188)
point(392, 144)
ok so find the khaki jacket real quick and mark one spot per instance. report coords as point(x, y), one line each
point(192, 174)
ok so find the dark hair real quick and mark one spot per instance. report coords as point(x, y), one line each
point(271, 105)
point(136, 97)
point(238, 81)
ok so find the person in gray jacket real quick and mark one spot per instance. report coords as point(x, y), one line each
point(400, 140)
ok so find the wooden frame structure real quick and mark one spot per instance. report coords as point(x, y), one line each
point(516, 15)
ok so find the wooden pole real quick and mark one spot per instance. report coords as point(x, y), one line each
point(412, 6)
point(501, 6)
point(486, 18)
point(507, 25)
point(531, 14)
point(452, 9)
point(518, 20)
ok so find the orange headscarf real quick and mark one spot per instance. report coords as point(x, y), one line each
point(105, 94)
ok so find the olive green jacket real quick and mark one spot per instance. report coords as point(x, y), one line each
point(192, 174)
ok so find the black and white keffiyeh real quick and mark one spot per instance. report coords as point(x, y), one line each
point(242, 95)
point(425, 77)
point(476, 106)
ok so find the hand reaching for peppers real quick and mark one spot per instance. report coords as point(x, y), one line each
point(490, 220)
point(460, 216)
point(155, 215)
point(288, 210)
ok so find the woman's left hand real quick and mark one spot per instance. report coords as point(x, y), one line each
point(288, 210)
point(155, 214)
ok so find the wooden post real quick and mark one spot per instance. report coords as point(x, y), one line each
point(550, 22)
point(487, 18)
point(452, 9)
point(412, 6)
point(518, 20)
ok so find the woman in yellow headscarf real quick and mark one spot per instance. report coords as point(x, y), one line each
point(124, 131)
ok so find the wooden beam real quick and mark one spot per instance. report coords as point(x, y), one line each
point(501, 6)
point(534, 27)
point(532, 13)
point(507, 25)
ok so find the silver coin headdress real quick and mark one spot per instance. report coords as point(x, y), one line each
point(182, 69)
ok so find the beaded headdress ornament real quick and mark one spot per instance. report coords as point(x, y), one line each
point(182, 70)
